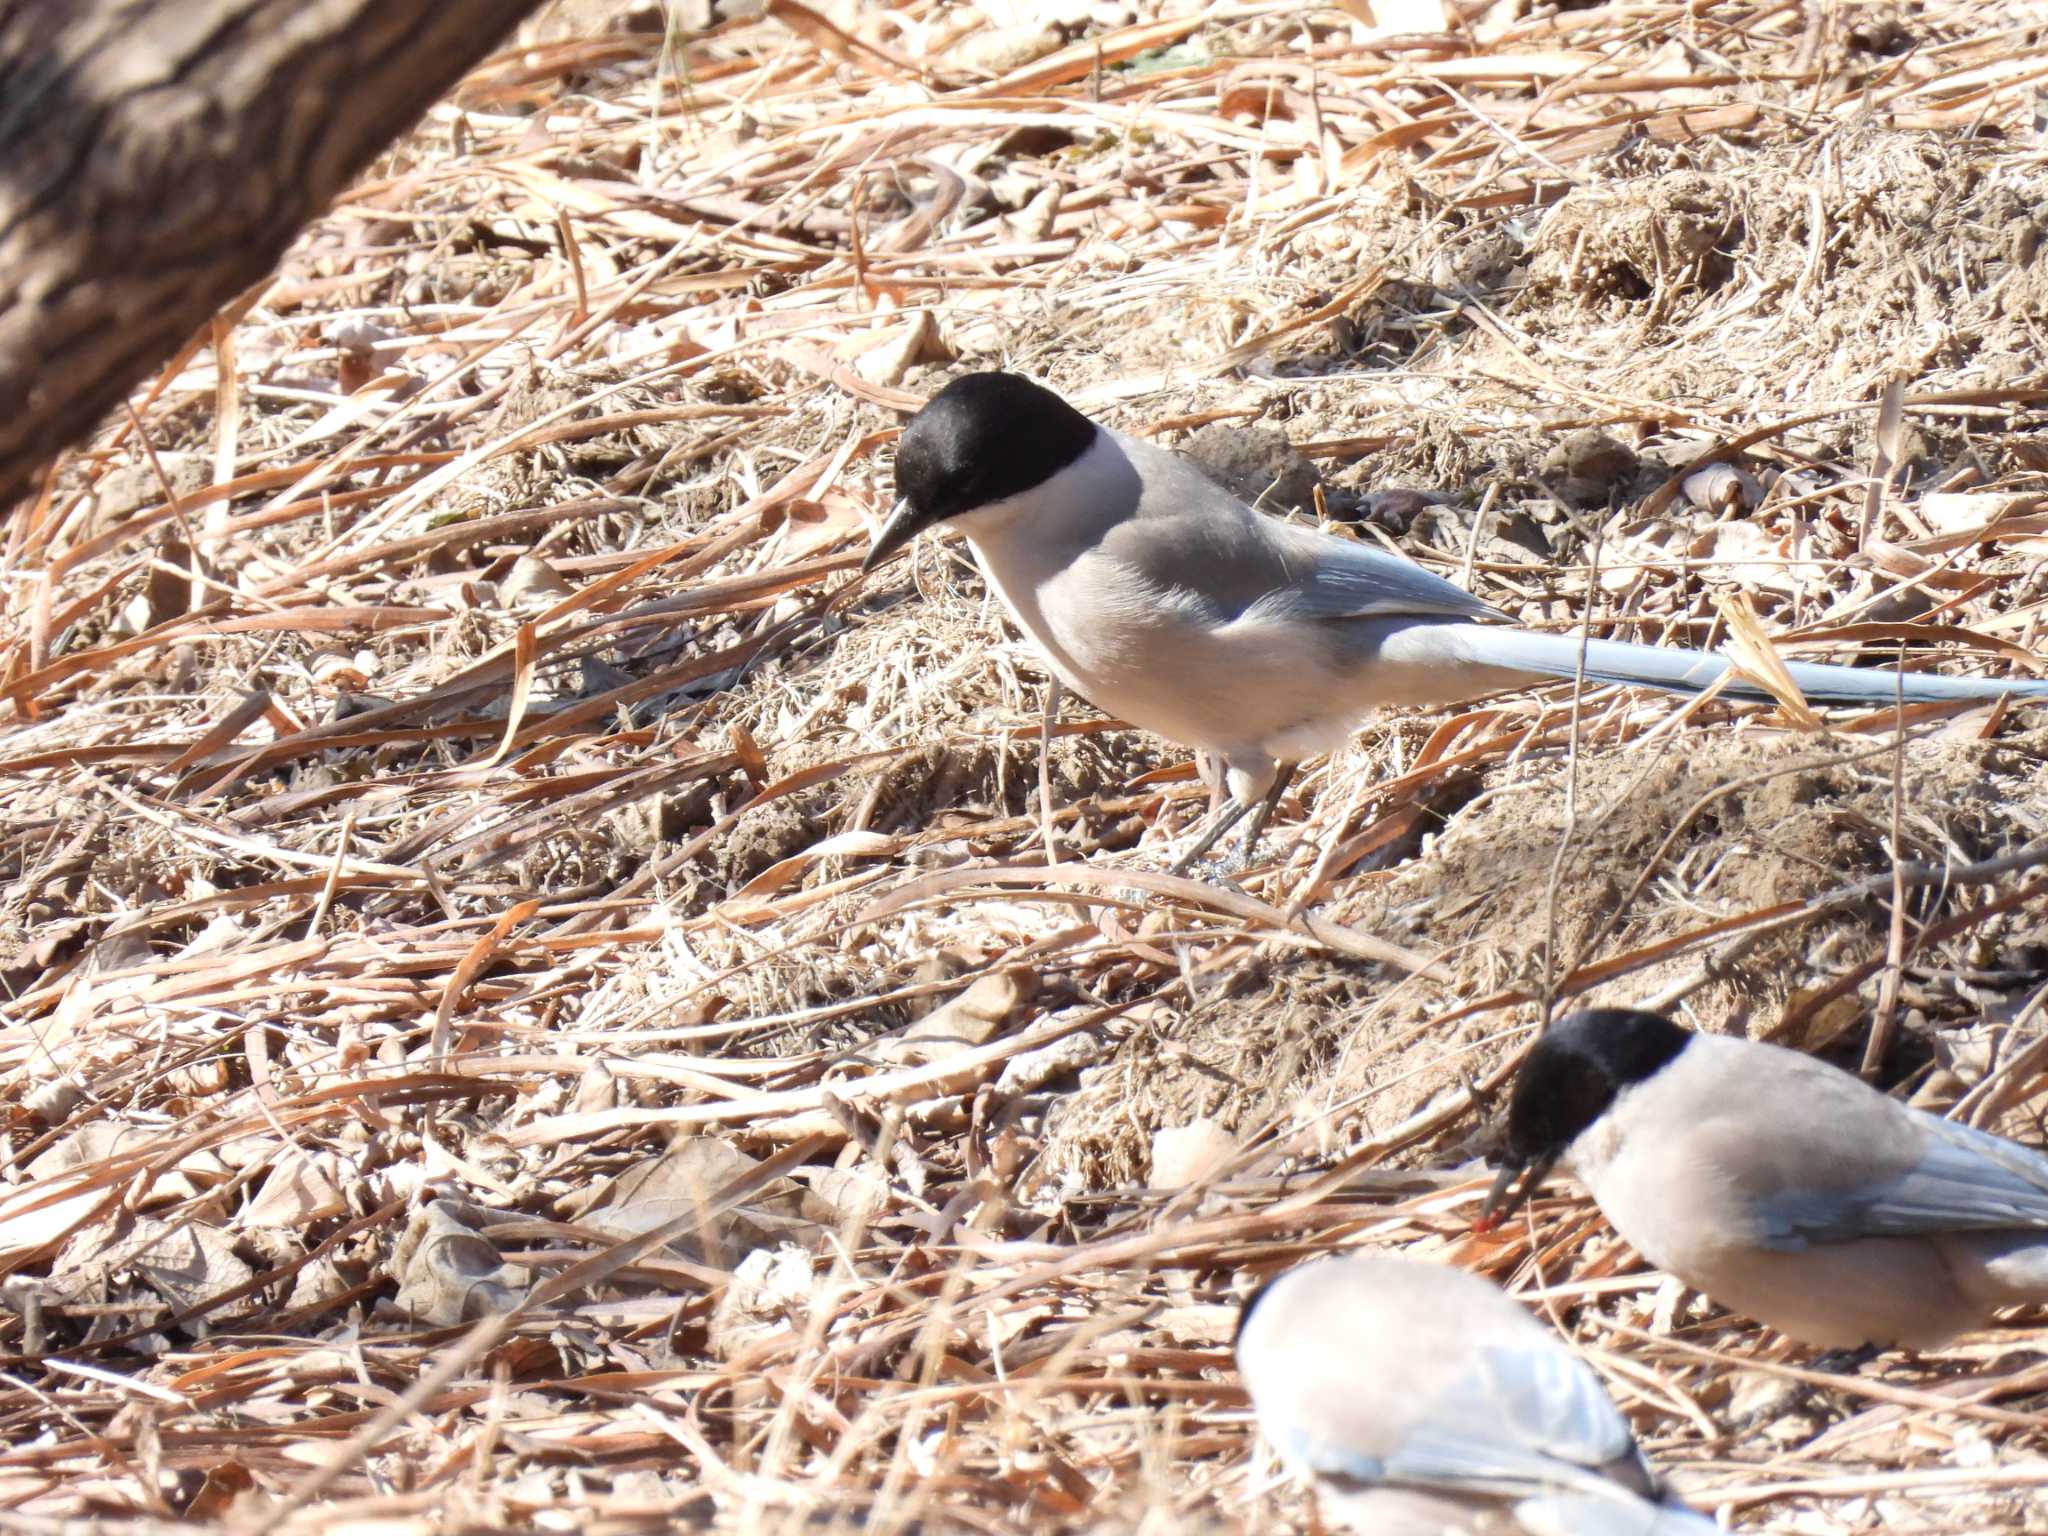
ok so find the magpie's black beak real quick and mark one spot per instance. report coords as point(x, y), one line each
point(1503, 1200)
point(900, 528)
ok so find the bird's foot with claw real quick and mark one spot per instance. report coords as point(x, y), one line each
point(1218, 866)
point(1807, 1400)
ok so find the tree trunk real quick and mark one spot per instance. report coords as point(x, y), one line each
point(156, 158)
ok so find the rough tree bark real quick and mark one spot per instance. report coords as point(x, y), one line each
point(156, 157)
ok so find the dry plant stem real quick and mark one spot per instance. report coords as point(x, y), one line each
point(2001, 1090)
point(1691, 813)
point(495, 549)
point(1891, 421)
point(2018, 900)
point(345, 1456)
point(1874, 1389)
point(1571, 799)
point(1884, 1022)
point(1049, 720)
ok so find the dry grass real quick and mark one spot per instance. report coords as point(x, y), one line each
point(459, 808)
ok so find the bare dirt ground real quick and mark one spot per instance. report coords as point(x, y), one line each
point(532, 997)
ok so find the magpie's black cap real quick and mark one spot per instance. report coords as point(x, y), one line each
point(1578, 1069)
point(982, 438)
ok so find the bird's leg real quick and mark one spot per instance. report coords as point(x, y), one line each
point(1234, 810)
point(1209, 769)
point(1232, 813)
point(1055, 692)
point(1281, 780)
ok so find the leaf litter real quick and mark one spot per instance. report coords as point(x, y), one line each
point(533, 999)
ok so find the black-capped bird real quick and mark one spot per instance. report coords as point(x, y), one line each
point(1781, 1187)
point(1418, 1400)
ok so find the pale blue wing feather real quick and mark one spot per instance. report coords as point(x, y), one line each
point(1186, 535)
point(1965, 1180)
point(1552, 1402)
point(1521, 1420)
point(1336, 578)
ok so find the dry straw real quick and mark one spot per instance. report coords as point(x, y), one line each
point(534, 1002)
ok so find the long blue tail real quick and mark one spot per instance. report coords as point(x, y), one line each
point(1652, 666)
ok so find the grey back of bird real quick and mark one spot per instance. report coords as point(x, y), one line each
point(1417, 1397)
